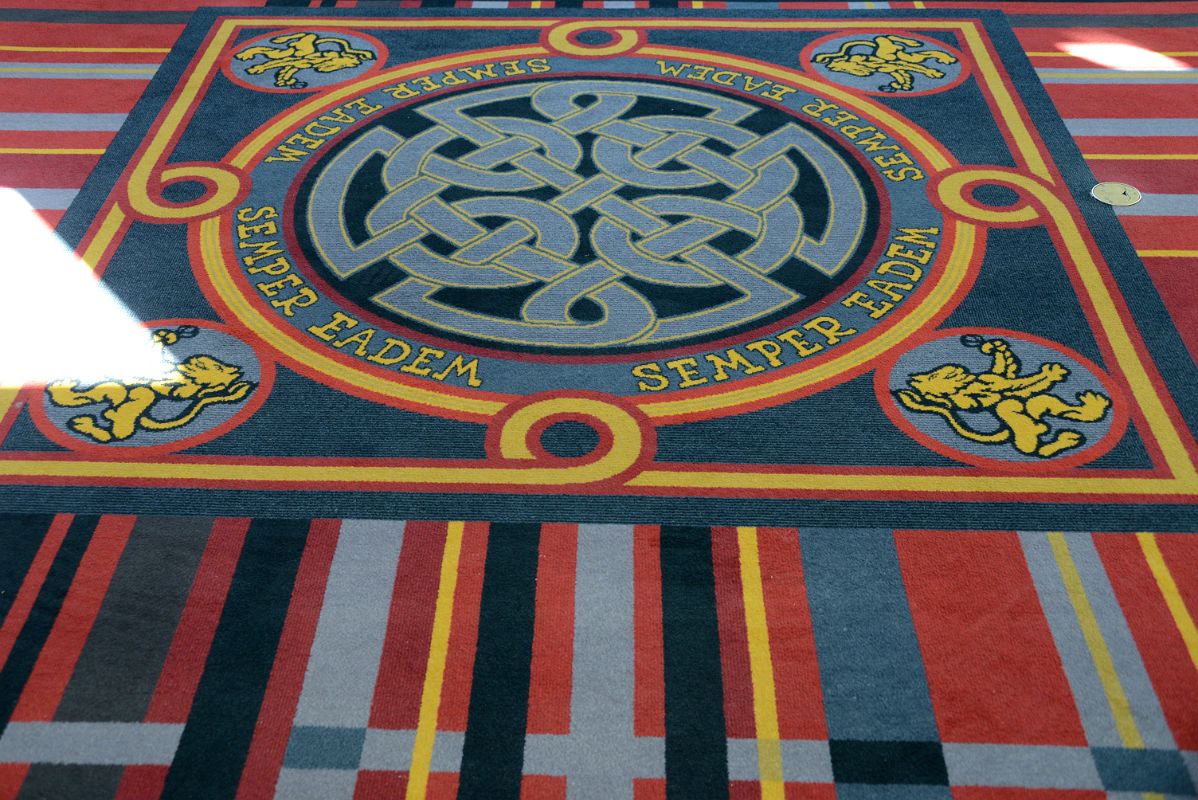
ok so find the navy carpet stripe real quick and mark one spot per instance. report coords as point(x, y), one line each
point(214, 744)
point(45, 610)
point(20, 537)
point(696, 744)
point(493, 753)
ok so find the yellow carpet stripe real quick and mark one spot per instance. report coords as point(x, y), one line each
point(8, 396)
point(1173, 599)
point(104, 236)
point(761, 669)
point(1099, 652)
point(434, 676)
point(1167, 253)
point(52, 151)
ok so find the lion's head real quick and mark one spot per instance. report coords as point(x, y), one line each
point(202, 374)
point(943, 381)
point(851, 65)
point(342, 60)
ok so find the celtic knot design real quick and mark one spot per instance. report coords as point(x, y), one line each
point(590, 214)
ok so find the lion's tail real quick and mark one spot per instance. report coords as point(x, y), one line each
point(998, 437)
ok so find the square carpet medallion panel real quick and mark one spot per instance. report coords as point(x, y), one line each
point(591, 283)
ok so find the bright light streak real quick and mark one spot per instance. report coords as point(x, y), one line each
point(1123, 57)
point(57, 321)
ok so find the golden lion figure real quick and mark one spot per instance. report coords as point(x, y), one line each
point(1019, 402)
point(200, 379)
point(889, 56)
point(302, 54)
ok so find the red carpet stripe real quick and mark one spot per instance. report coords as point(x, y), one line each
point(1157, 637)
point(1121, 100)
point(1164, 176)
point(142, 782)
point(553, 631)
point(991, 662)
point(396, 703)
point(649, 666)
point(1160, 40)
point(376, 785)
point(543, 787)
point(56, 663)
point(993, 793)
point(123, 5)
point(800, 698)
point(1160, 233)
point(265, 757)
point(59, 36)
point(189, 650)
point(1181, 556)
point(22, 604)
point(1138, 145)
point(1175, 7)
point(734, 638)
point(66, 140)
point(463, 634)
point(46, 171)
point(38, 55)
point(69, 96)
point(1174, 278)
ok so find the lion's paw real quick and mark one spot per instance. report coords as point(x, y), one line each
point(1092, 407)
point(1056, 372)
point(908, 398)
point(1065, 440)
point(88, 427)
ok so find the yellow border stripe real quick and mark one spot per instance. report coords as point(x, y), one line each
point(52, 151)
point(765, 699)
point(1008, 108)
point(434, 676)
point(104, 237)
point(1173, 598)
point(1099, 652)
point(8, 396)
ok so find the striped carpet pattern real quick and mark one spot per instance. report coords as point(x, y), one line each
point(148, 657)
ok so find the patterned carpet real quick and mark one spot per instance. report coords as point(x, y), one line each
point(798, 414)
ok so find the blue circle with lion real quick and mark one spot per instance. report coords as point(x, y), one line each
point(1001, 396)
point(303, 60)
point(895, 64)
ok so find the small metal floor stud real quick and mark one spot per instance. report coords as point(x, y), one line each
point(1114, 193)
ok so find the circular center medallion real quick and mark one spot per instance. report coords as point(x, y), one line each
point(695, 238)
point(586, 215)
